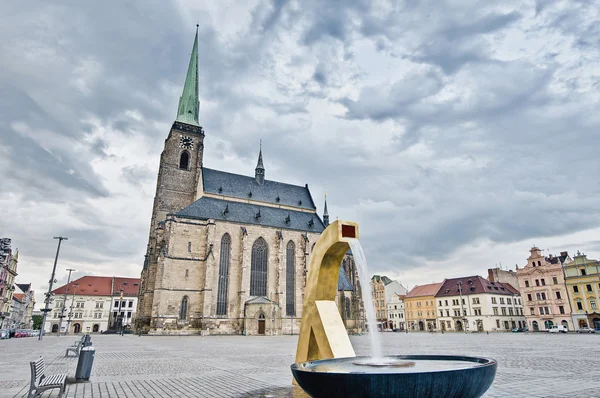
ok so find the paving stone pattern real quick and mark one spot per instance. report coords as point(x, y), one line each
point(530, 365)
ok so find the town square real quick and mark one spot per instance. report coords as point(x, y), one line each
point(531, 365)
point(284, 198)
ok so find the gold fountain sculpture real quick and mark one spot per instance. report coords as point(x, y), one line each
point(322, 332)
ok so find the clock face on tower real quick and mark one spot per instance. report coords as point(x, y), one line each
point(186, 142)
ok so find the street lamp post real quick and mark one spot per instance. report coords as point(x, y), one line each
point(49, 294)
point(71, 308)
point(62, 311)
point(465, 320)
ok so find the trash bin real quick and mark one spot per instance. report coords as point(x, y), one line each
point(84, 365)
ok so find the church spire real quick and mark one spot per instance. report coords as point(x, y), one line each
point(259, 172)
point(189, 107)
point(325, 213)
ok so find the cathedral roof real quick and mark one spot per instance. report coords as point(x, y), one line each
point(245, 213)
point(344, 283)
point(244, 187)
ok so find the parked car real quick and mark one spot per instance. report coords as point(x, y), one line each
point(586, 330)
point(558, 329)
point(3, 334)
point(518, 330)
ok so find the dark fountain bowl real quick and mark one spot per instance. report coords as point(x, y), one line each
point(431, 376)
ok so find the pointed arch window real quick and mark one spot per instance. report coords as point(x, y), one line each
point(290, 280)
point(223, 275)
point(258, 269)
point(348, 312)
point(184, 160)
point(183, 309)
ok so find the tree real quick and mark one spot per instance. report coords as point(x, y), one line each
point(37, 322)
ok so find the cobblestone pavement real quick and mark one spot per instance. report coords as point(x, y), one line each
point(530, 365)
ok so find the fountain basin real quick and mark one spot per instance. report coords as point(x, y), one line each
point(430, 376)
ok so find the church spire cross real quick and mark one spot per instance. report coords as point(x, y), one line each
point(325, 212)
point(189, 106)
point(259, 172)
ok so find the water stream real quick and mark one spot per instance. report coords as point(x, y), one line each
point(365, 286)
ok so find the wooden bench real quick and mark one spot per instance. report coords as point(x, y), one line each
point(75, 348)
point(40, 382)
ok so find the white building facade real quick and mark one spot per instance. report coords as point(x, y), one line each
point(476, 304)
point(93, 304)
point(395, 312)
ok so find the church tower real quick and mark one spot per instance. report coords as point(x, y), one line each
point(179, 174)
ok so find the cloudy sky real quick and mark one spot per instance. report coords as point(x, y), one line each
point(457, 133)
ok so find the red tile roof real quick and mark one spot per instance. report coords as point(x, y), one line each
point(424, 290)
point(474, 285)
point(102, 286)
point(18, 296)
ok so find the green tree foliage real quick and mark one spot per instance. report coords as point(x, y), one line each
point(37, 322)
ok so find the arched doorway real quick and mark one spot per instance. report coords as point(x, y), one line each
point(421, 325)
point(596, 322)
point(565, 324)
point(480, 325)
point(95, 328)
point(548, 325)
point(55, 328)
point(261, 324)
point(443, 326)
point(536, 327)
point(582, 323)
point(76, 328)
point(459, 326)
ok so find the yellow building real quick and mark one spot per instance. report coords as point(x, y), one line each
point(582, 278)
point(420, 308)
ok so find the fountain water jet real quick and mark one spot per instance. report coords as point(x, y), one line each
point(326, 365)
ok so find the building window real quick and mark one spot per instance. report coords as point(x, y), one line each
point(477, 311)
point(130, 304)
point(446, 302)
point(189, 247)
point(558, 297)
point(537, 282)
point(539, 263)
point(290, 280)
point(555, 280)
point(529, 297)
point(493, 300)
point(593, 304)
point(579, 306)
point(498, 323)
point(503, 311)
point(501, 300)
point(440, 303)
point(495, 309)
point(583, 273)
point(348, 308)
point(561, 309)
point(526, 283)
point(532, 311)
point(543, 282)
point(588, 288)
point(475, 300)
point(183, 309)
point(441, 312)
point(100, 304)
point(575, 289)
point(184, 160)
point(538, 296)
point(508, 301)
point(128, 314)
point(223, 282)
point(258, 269)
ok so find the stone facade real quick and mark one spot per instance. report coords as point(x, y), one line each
point(8, 273)
point(395, 312)
point(542, 287)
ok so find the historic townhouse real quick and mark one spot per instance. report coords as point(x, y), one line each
point(8, 273)
point(395, 312)
point(227, 253)
point(583, 285)
point(420, 308)
point(475, 304)
point(383, 289)
point(542, 286)
point(93, 304)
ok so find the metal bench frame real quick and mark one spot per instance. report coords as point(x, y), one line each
point(41, 382)
point(74, 349)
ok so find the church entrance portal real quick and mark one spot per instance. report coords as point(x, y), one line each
point(261, 324)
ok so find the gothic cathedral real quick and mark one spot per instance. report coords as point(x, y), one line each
point(228, 253)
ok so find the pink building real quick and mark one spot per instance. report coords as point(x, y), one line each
point(542, 286)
